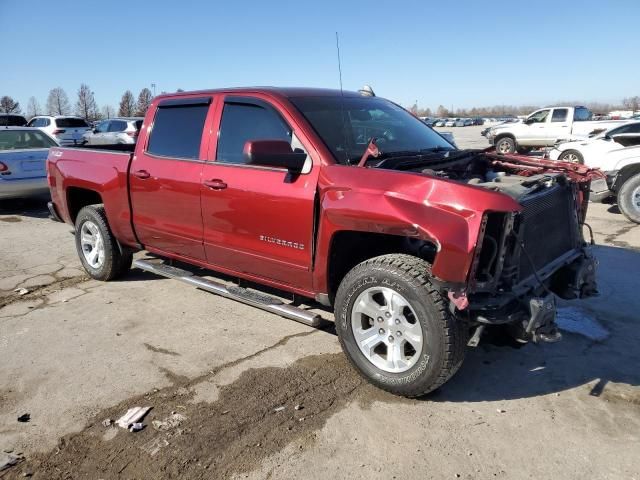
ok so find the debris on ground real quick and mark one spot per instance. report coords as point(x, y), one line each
point(25, 417)
point(172, 421)
point(21, 291)
point(107, 422)
point(501, 410)
point(136, 427)
point(575, 320)
point(278, 409)
point(133, 415)
point(8, 460)
point(298, 407)
point(154, 445)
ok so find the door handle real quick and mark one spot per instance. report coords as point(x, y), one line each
point(143, 174)
point(215, 184)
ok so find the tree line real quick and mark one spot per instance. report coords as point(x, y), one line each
point(85, 106)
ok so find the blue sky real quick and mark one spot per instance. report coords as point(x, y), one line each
point(462, 54)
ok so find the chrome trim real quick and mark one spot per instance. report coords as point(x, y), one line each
point(282, 309)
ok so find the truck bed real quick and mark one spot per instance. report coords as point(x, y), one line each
point(77, 171)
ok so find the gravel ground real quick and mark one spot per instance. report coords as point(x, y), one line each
point(74, 352)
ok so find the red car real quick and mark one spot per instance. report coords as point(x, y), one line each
point(346, 199)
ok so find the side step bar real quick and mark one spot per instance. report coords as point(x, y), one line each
point(250, 297)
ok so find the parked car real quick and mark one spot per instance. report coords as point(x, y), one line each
point(114, 131)
point(441, 122)
point(66, 130)
point(23, 153)
point(451, 122)
point(544, 127)
point(12, 120)
point(413, 243)
point(478, 121)
point(591, 151)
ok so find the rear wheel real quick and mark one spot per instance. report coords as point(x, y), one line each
point(572, 156)
point(97, 247)
point(505, 145)
point(395, 327)
point(629, 199)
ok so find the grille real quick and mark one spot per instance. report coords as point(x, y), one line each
point(548, 227)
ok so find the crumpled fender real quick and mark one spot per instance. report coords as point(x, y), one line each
point(444, 212)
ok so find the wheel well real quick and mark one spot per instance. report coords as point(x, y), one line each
point(78, 198)
point(503, 135)
point(625, 174)
point(349, 248)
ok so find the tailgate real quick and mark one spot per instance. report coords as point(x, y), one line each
point(24, 163)
point(72, 135)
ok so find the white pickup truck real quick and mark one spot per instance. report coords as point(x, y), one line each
point(544, 127)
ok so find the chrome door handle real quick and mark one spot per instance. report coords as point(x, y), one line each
point(215, 184)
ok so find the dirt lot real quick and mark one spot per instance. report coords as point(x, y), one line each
point(74, 352)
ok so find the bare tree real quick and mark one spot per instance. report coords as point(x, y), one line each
point(9, 105)
point(442, 111)
point(108, 112)
point(127, 105)
point(33, 107)
point(631, 103)
point(144, 101)
point(86, 105)
point(58, 102)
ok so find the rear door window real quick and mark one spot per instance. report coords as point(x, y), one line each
point(242, 122)
point(117, 126)
point(559, 115)
point(177, 130)
point(581, 114)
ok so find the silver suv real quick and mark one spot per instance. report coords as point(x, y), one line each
point(114, 131)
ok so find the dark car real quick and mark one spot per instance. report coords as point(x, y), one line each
point(12, 120)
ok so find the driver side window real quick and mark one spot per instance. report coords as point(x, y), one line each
point(539, 117)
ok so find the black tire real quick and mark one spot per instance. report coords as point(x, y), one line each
point(572, 156)
point(444, 337)
point(115, 262)
point(629, 198)
point(505, 145)
point(524, 150)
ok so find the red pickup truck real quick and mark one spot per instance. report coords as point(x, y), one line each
point(344, 198)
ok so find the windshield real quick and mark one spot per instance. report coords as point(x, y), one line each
point(24, 140)
point(395, 129)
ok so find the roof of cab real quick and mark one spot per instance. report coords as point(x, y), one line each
point(277, 91)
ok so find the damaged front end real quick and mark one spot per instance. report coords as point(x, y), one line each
point(524, 259)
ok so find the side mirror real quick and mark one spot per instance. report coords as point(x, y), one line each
point(273, 153)
point(528, 121)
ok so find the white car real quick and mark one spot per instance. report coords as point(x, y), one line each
point(544, 127)
point(114, 131)
point(65, 129)
point(451, 122)
point(593, 151)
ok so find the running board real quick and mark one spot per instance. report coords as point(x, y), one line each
point(250, 297)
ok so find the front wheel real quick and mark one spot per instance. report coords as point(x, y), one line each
point(506, 145)
point(97, 247)
point(572, 156)
point(395, 327)
point(629, 198)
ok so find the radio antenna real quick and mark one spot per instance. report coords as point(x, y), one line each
point(339, 63)
point(344, 126)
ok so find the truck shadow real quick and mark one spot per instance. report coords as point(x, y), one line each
point(35, 207)
point(495, 372)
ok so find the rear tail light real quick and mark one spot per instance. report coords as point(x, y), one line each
point(3, 167)
point(132, 134)
point(58, 131)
